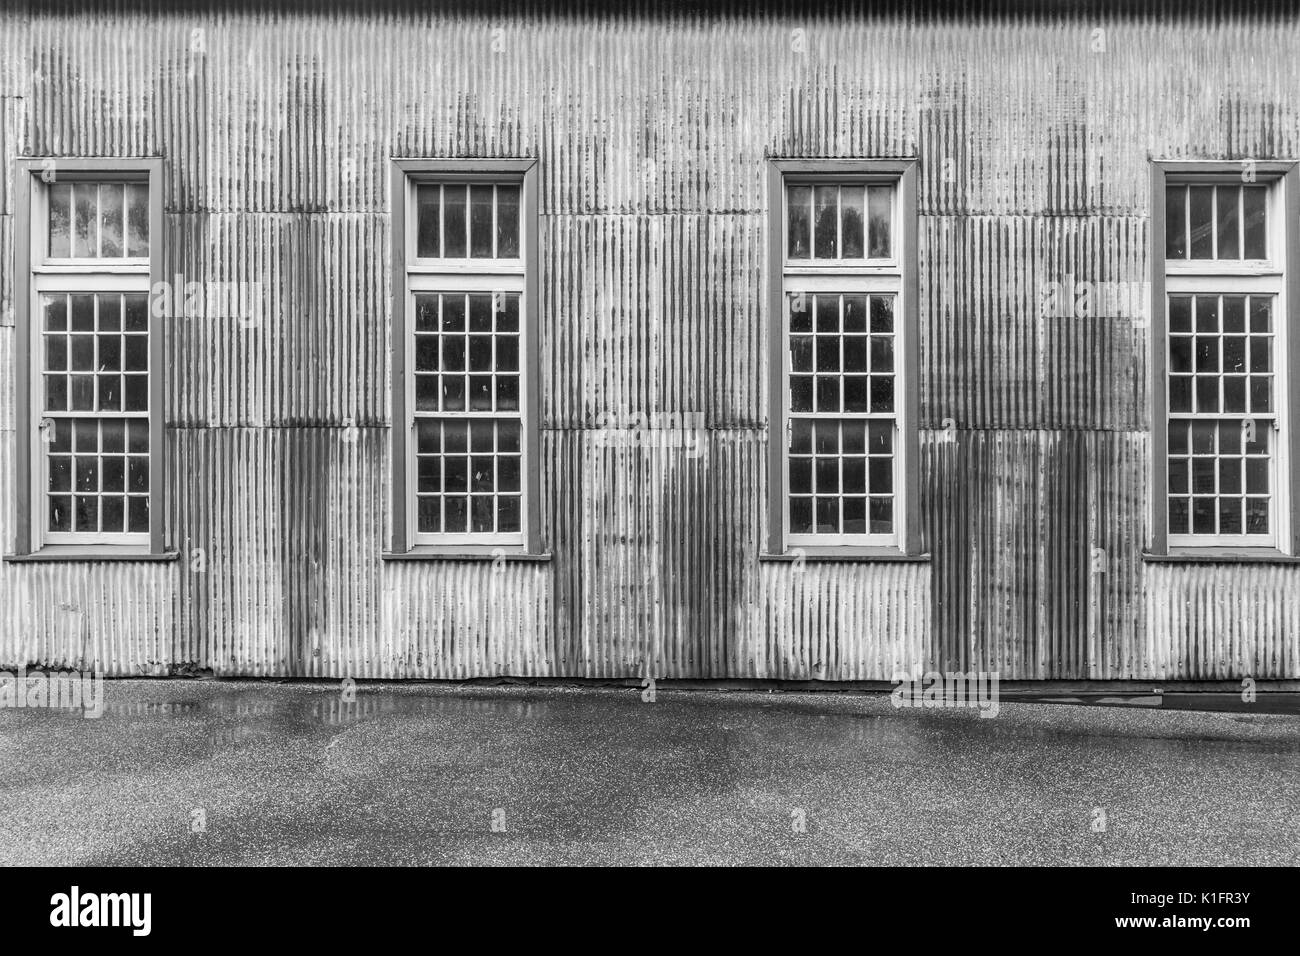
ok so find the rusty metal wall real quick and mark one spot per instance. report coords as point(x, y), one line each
point(1034, 133)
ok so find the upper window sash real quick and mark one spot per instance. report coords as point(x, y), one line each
point(106, 226)
point(800, 223)
point(504, 229)
point(1203, 228)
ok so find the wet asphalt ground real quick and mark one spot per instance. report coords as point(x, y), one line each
point(247, 773)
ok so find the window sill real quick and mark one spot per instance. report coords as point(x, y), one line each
point(1221, 556)
point(91, 553)
point(847, 553)
point(464, 552)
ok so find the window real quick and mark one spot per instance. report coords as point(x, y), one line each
point(843, 356)
point(89, 375)
point(463, 342)
point(1222, 449)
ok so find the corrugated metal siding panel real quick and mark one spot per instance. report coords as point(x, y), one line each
point(99, 85)
point(15, 67)
point(648, 314)
point(653, 549)
point(996, 350)
point(1036, 538)
point(288, 523)
point(322, 92)
point(10, 143)
point(114, 618)
point(311, 349)
point(840, 622)
point(1093, 367)
point(277, 128)
point(655, 564)
point(462, 619)
point(1218, 621)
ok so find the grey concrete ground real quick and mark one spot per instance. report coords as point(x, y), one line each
point(416, 774)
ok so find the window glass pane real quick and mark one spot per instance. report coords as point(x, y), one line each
point(480, 222)
point(508, 222)
point(1255, 221)
point(827, 353)
point(454, 222)
point(507, 393)
point(138, 514)
point(826, 225)
point(136, 393)
point(882, 313)
point(110, 220)
point(83, 313)
point(798, 212)
point(137, 220)
point(801, 515)
point(81, 393)
point(1176, 222)
point(1201, 219)
point(428, 213)
point(1180, 313)
point(853, 221)
point(855, 313)
point(136, 307)
point(56, 313)
point(881, 209)
point(480, 313)
point(1179, 518)
point(85, 231)
point(60, 220)
point(507, 315)
point(1229, 224)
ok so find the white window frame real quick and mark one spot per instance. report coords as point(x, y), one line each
point(1225, 277)
point(425, 275)
point(47, 275)
point(845, 276)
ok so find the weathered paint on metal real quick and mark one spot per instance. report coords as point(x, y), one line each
point(278, 127)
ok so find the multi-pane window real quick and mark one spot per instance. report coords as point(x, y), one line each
point(466, 385)
point(1227, 221)
point(95, 375)
point(89, 220)
point(842, 284)
point(467, 410)
point(842, 414)
point(463, 220)
point(90, 367)
point(1224, 279)
point(839, 221)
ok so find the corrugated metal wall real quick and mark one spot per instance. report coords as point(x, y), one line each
point(277, 128)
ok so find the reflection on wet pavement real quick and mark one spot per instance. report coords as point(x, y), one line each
point(296, 774)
